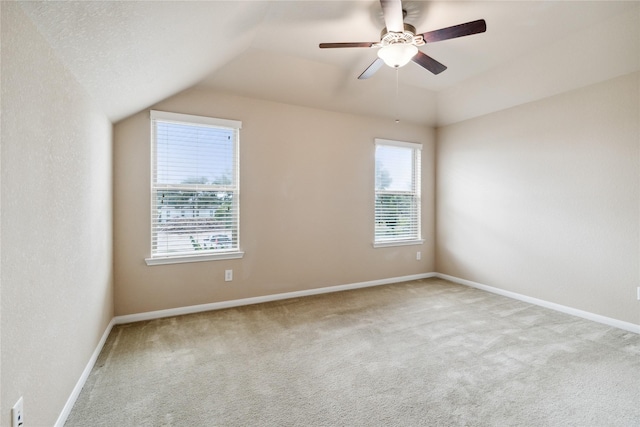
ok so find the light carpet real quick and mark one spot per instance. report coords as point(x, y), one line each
point(420, 353)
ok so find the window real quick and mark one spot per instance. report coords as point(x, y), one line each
point(397, 193)
point(194, 188)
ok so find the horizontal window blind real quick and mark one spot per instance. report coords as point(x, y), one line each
point(194, 185)
point(397, 191)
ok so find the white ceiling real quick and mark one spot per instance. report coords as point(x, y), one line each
point(131, 54)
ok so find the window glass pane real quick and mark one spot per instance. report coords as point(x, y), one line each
point(188, 154)
point(394, 168)
point(396, 217)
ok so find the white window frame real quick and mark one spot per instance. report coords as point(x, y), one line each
point(415, 192)
point(192, 256)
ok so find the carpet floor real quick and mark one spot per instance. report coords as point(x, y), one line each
point(420, 353)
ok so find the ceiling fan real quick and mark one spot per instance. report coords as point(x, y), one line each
point(399, 42)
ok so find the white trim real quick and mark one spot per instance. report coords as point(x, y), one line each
point(193, 258)
point(627, 326)
point(413, 145)
point(389, 244)
point(150, 315)
point(189, 118)
point(62, 419)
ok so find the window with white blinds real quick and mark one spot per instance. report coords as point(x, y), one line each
point(397, 193)
point(194, 187)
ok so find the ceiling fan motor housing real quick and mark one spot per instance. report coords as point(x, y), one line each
point(407, 37)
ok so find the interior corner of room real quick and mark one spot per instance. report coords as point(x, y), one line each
point(530, 164)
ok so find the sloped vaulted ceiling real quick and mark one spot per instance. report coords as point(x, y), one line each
point(130, 55)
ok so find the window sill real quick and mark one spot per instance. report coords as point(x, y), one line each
point(193, 258)
point(397, 243)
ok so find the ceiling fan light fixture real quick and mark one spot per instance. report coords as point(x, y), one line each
point(397, 55)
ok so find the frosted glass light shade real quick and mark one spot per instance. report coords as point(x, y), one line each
point(398, 54)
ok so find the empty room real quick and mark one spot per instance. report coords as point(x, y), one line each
point(320, 213)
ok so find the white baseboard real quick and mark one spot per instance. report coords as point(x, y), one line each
point(130, 318)
point(627, 326)
point(208, 307)
point(150, 315)
point(83, 378)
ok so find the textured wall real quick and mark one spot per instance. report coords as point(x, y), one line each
point(56, 227)
point(306, 206)
point(543, 199)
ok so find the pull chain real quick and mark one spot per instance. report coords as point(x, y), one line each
point(397, 96)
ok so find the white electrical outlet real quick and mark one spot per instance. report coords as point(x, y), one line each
point(638, 291)
point(228, 275)
point(418, 256)
point(17, 414)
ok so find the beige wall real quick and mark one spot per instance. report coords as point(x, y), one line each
point(306, 206)
point(543, 199)
point(57, 293)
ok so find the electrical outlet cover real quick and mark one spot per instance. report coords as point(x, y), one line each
point(17, 414)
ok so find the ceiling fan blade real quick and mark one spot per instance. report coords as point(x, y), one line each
point(461, 30)
point(371, 69)
point(356, 44)
point(393, 15)
point(428, 62)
